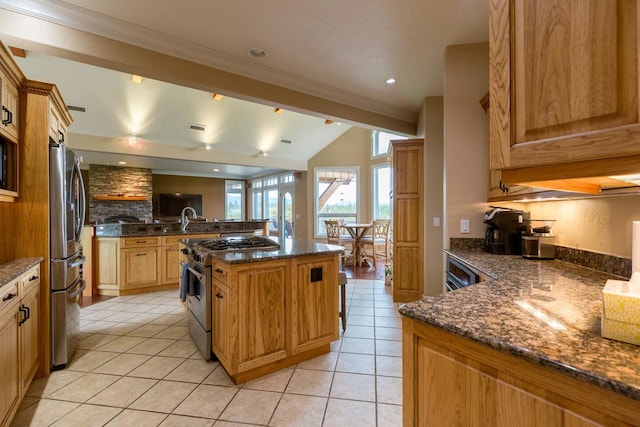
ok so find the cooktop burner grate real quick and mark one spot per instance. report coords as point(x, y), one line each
point(241, 243)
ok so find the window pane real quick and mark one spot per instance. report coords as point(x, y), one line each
point(336, 196)
point(234, 206)
point(234, 199)
point(381, 142)
point(381, 192)
point(257, 205)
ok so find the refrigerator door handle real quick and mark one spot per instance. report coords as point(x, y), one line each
point(81, 202)
point(83, 284)
point(80, 259)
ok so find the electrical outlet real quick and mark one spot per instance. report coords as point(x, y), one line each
point(464, 226)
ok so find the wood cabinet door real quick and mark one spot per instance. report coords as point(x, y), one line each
point(563, 81)
point(107, 267)
point(261, 314)
point(9, 371)
point(141, 267)
point(221, 322)
point(10, 109)
point(170, 264)
point(29, 329)
point(408, 220)
point(315, 304)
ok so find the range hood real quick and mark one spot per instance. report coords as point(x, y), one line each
point(611, 176)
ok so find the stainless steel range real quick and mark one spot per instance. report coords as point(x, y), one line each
point(196, 283)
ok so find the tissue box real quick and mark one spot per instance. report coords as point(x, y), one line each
point(621, 311)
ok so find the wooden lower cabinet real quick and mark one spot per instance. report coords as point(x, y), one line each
point(124, 265)
point(271, 314)
point(19, 334)
point(10, 356)
point(140, 267)
point(451, 381)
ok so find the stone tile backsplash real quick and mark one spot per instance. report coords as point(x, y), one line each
point(119, 181)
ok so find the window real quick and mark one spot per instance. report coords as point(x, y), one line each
point(382, 191)
point(336, 196)
point(256, 199)
point(234, 200)
point(380, 142)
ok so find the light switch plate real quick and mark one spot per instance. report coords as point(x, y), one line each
point(436, 221)
point(464, 226)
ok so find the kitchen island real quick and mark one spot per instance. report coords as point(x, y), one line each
point(270, 308)
point(522, 348)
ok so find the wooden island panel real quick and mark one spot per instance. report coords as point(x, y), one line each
point(271, 314)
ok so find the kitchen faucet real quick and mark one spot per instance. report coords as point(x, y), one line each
point(183, 217)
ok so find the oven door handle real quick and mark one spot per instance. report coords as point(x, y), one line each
point(199, 275)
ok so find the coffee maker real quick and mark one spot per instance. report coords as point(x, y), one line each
point(504, 230)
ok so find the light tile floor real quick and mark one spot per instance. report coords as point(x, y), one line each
point(136, 365)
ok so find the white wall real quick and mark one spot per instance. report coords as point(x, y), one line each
point(465, 138)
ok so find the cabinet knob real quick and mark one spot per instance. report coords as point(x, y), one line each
point(218, 295)
point(32, 278)
point(217, 270)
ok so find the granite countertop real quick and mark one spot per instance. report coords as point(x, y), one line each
point(500, 313)
point(12, 269)
point(140, 229)
point(289, 249)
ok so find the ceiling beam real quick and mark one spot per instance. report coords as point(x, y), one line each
point(31, 33)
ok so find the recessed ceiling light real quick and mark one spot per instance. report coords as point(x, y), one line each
point(136, 78)
point(216, 170)
point(257, 53)
point(122, 163)
point(390, 81)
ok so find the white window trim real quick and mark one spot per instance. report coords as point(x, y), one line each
point(316, 196)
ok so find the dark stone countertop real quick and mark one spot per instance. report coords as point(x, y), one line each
point(499, 313)
point(139, 229)
point(289, 249)
point(12, 269)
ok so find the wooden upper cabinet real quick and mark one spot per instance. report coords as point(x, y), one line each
point(563, 81)
point(9, 123)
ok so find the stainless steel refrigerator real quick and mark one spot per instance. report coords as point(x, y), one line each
point(66, 219)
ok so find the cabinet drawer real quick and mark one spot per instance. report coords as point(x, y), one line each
point(219, 274)
point(134, 242)
point(171, 240)
point(8, 295)
point(30, 280)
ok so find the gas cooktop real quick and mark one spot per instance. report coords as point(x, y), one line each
point(237, 243)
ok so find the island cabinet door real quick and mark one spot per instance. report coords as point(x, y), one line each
point(141, 267)
point(261, 313)
point(221, 323)
point(314, 302)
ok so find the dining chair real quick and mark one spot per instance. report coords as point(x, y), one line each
point(379, 237)
point(334, 237)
